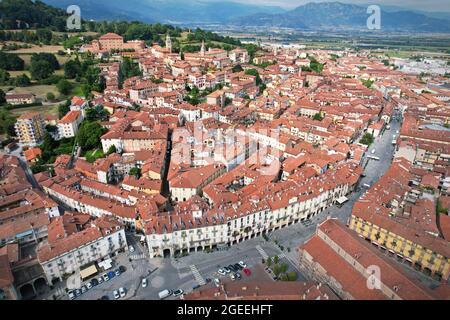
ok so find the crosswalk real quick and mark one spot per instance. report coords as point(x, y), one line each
point(198, 277)
point(262, 252)
point(138, 256)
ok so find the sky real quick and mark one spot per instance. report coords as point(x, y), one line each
point(426, 5)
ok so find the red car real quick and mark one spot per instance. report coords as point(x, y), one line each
point(247, 271)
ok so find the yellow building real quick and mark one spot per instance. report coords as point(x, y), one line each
point(30, 128)
point(418, 249)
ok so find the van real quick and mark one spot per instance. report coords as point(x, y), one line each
point(164, 294)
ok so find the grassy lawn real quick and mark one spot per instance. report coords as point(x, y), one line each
point(51, 110)
point(93, 155)
point(39, 90)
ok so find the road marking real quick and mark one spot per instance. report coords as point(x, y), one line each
point(198, 277)
point(262, 252)
point(138, 256)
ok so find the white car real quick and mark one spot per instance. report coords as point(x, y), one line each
point(131, 248)
point(71, 295)
point(89, 285)
point(217, 282)
point(242, 264)
point(122, 292)
point(116, 294)
point(233, 277)
point(144, 283)
point(221, 272)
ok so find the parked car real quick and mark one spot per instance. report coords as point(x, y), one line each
point(237, 266)
point(100, 279)
point(111, 274)
point(195, 286)
point(117, 272)
point(77, 292)
point(217, 282)
point(242, 264)
point(178, 292)
point(233, 276)
point(71, 295)
point(83, 289)
point(208, 280)
point(94, 282)
point(122, 292)
point(116, 294)
point(104, 298)
point(238, 276)
point(164, 294)
point(144, 283)
point(221, 272)
point(226, 270)
point(122, 269)
point(131, 249)
point(247, 271)
point(105, 277)
point(89, 285)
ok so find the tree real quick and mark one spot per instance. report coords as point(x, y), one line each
point(318, 117)
point(4, 76)
point(88, 136)
point(367, 139)
point(44, 56)
point(7, 121)
point(276, 270)
point(10, 61)
point(41, 69)
point(72, 69)
point(269, 262)
point(64, 87)
point(276, 259)
point(44, 35)
point(135, 172)
point(237, 68)
point(50, 96)
point(292, 276)
point(254, 72)
point(283, 267)
point(22, 81)
point(112, 150)
point(63, 109)
point(2, 97)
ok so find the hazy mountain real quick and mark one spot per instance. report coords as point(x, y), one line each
point(336, 15)
point(164, 11)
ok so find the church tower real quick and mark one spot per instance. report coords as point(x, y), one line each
point(168, 43)
point(202, 50)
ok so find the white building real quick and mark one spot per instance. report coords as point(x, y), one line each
point(69, 124)
point(70, 254)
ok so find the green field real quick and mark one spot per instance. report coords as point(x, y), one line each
point(50, 110)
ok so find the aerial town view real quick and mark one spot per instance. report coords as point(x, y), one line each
point(224, 150)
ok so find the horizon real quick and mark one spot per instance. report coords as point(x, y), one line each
point(431, 6)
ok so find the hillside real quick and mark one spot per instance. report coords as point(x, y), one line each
point(164, 11)
point(339, 16)
point(25, 14)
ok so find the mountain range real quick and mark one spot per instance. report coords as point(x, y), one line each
point(311, 16)
point(164, 11)
point(340, 16)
